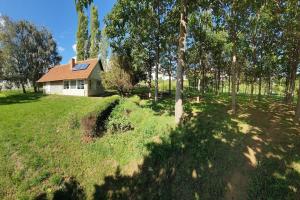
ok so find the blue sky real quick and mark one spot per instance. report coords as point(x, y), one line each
point(58, 16)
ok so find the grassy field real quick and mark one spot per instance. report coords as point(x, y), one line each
point(213, 155)
point(38, 151)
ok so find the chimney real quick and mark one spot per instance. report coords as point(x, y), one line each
point(72, 63)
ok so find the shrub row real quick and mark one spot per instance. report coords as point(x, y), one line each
point(129, 115)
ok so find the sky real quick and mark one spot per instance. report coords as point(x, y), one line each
point(58, 16)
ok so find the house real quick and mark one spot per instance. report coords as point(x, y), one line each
point(80, 78)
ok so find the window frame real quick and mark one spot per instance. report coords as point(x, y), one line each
point(66, 87)
point(73, 87)
point(80, 84)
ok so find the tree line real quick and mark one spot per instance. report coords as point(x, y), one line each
point(249, 42)
point(91, 42)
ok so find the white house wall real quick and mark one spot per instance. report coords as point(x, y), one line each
point(55, 87)
point(95, 88)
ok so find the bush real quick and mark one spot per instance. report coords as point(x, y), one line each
point(119, 119)
point(135, 99)
point(118, 77)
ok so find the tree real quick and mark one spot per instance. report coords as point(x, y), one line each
point(144, 41)
point(95, 33)
point(43, 55)
point(82, 36)
point(297, 113)
point(27, 51)
point(290, 25)
point(104, 45)
point(118, 76)
point(181, 62)
point(81, 4)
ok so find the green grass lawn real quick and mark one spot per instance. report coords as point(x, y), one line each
point(38, 151)
point(213, 155)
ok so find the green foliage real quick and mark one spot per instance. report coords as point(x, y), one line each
point(82, 36)
point(26, 52)
point(95, 33)
point(119, 119)
point(118, 77)
point(81, 4)
point(104, 45)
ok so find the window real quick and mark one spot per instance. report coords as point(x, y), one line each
point(80, 84)
point(73, 84)
point(66, 85)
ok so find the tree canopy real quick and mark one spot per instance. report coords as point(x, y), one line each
point(214, 42)
point(26, 52)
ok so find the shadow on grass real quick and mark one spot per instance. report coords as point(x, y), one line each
point(277, 174)
point(195, 163)
point(215, 156)
point(212, 156)
point(20, 98)
point(71, 190)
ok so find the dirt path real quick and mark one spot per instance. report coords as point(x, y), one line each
point(267, 128)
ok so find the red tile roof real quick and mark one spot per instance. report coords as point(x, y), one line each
point(64, 72)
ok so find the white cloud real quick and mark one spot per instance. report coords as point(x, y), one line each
point(60, 49)
point(74, 47)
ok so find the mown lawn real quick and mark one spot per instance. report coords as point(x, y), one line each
point(213, 155)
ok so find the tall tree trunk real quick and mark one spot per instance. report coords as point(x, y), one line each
point(23, 88)
point(252, 88)
point(203, 80)
point(35, 87)
point(291, 84)
point(259, 86)
point(156, 83)
point(238, 80)
point(233, 84)
point(170, 81)
point(297, 114)
point(181, 63)
point(222, 84)
point(270, 85)
point(149, 81)
point(229, 83)
point(157, 50)
point(238, 86)
point(219, 80)
point(198, 89)
point(215, 82)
